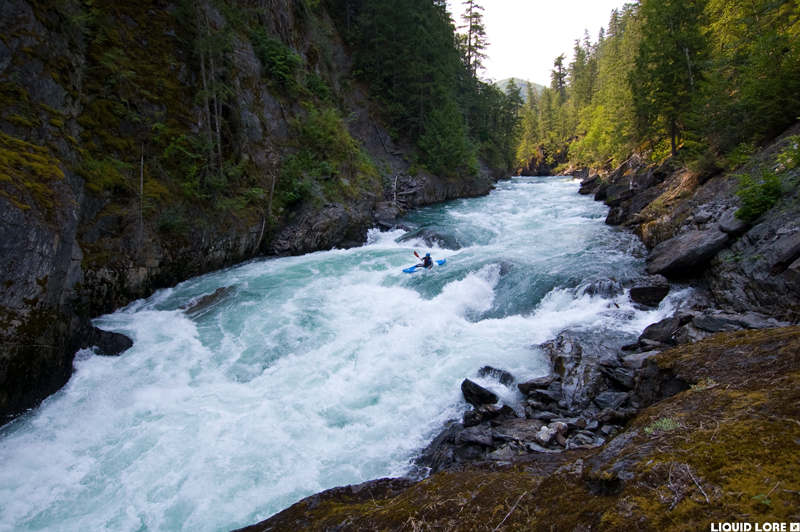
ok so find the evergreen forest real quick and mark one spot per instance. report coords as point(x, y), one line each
point(426, 69)
point(706, 80)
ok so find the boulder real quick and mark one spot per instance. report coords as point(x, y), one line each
point(522, 430)
point(689, 334)
point(729, 223)
point(481, 435)
point(636, 361)
point(610, 400)
point(432, 238)
point(105, 343)
point(717, 323)
point(581, 378)
point(662, 331)
point(650, 290)
point(475, 417)
point(684, 254)
point(503, 377)
point(477, 395)
point(590, 185)
point(603, 287)
point(702, 217)
point(623, 377)
point(539, 383)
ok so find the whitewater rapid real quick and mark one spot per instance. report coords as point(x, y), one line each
point(306, 373)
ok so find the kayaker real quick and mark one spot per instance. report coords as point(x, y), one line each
point(427, 262)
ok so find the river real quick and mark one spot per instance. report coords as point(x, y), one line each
point(306, 373)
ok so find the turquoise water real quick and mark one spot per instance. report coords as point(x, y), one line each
point(311, 372)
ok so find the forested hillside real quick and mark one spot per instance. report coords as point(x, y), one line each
point(427, 72)
point(709, 78)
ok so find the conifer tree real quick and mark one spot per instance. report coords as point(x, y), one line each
point(475, 37)
point(668, 64)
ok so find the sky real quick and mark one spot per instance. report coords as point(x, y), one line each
point(525, 36)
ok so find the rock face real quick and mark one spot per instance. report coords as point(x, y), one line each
point(684, 255)
point(107, 201)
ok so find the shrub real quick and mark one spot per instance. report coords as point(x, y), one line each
point(757, 196)
point(790, 157)
point(279, 60)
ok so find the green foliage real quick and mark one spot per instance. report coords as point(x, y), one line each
point(664, 424)
point(326, 151)
point(173, 221)
point(741, 154)
point(416, 63)
point(317, 86)
point(280, 62)
point(294, 182)
point(104, 173)
point(443, 142)
point(757, 196)
point(789, 158)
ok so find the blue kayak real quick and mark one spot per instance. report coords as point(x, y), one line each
point(415, 268)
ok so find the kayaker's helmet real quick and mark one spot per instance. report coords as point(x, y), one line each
point(427, 254)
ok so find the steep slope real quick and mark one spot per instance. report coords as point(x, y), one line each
point(142, 143)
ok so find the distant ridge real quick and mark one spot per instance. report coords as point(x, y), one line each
point(522, 84)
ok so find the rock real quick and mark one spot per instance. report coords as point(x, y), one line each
point(581, 378)
point(528, 387)
point(624, 377)
point(481, 435)
point(788, 253)
point(604, 287)
point(689, 334)
point(553, 392)
point(589, 185)
point(536, 448)
point(560, 427)
point(503, 454)
point(108, 343)
point(504, 377)
point(561, 440)
point(650, 290)
point(717, 323)
point(702, 217)
point(477, 395)
point(730, 224)
point(545, 435)
point(386, 213)
point(646, 344)
point(612, 400)
point(536, 405)
point(754, 320)
point(523, 430)
point(541, 415)
point(636, 361)
point(432, 238)
point(684, 254)
point(486, 413)
point(661, 331)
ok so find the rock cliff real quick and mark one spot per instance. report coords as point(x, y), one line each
point(142, 143)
